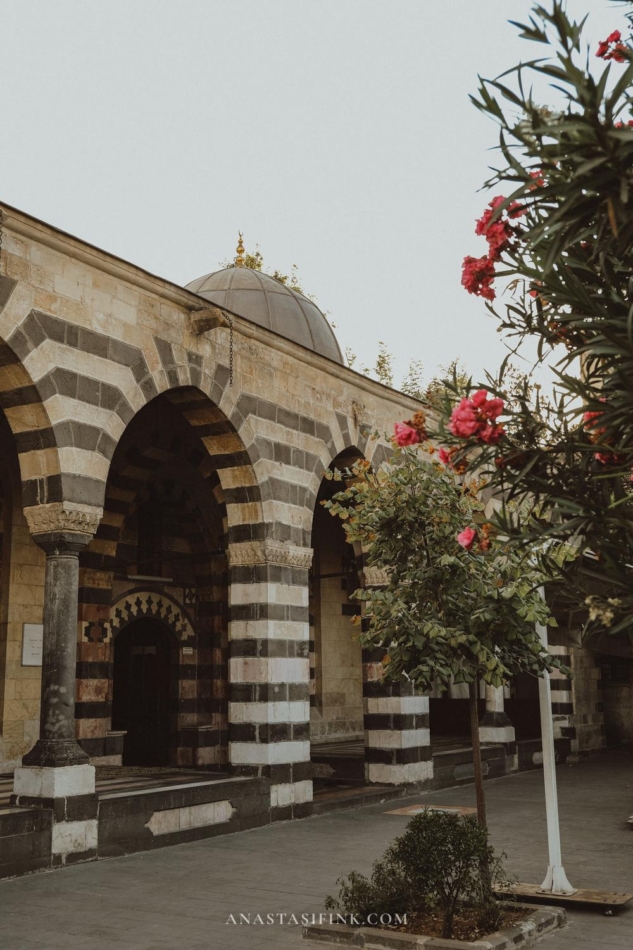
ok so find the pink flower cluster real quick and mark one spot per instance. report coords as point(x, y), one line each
point(612, 48)
point(467, 538)
point(478, 273)
point(499, 232)
point(475, 417)
point(405, 434)
point(410, 432)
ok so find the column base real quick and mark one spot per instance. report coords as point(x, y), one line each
point(33, 782)
point(496, 734)
point(56, 753)
point(69, 792)
point(379, 773)
point(494, 726)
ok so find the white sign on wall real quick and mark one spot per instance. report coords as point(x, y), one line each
point(32, 644)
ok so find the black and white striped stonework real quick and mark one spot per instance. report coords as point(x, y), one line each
point(269, 693)
point(563, 702)
point(96, 357)
point(397, 735)
point(396, 717)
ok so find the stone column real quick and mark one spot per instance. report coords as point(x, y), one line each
point(396, 718)
point(397, 735)
point(56, 773)
point(269, 671)
point(495, 725)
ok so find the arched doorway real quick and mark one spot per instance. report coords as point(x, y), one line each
point(142, 691)
point(336, 729)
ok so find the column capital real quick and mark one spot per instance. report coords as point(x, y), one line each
point(62, 526)
point(269, 552)
point(375, 577)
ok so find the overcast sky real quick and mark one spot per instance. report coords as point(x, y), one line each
point(336, 134)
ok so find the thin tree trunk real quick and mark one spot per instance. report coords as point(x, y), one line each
point(474, 731)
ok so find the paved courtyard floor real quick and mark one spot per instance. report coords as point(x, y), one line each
point(180, 898)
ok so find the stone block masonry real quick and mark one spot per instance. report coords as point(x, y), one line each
point(160, 472)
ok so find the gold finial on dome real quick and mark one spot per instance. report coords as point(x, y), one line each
point(239, 260)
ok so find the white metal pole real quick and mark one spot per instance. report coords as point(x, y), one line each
point(555, 880)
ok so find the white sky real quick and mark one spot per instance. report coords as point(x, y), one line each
point(336, 134)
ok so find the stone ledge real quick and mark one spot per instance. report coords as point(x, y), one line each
point(540, 922)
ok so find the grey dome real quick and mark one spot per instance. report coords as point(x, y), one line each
point(265, 301)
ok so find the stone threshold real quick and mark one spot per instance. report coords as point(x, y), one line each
point(130, 793)
point(540, 923)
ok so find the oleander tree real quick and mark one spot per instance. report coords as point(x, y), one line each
point(559, 237)
point(448, 613)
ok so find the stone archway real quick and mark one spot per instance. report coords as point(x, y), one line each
point(336, 685)
point(160, 554)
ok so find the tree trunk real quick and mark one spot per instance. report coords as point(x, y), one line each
point(474, 731)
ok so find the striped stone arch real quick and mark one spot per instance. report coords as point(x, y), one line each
point(75, 390)
point(23, 403)
point(376, 452)
point(290, 441)
point(210, 445)
point(140, 603)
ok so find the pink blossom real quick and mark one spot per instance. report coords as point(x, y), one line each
point(464, 421)
point(492, 408)
point(467, 538)
point(490, 435)
point(478, 274)
point(612, 48)
point(405, 434)
point(476, 416)
point(444, 456)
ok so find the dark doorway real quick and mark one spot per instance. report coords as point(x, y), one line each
point(523, 707)
point(142, 692)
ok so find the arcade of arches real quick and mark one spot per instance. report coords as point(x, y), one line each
point(172, 594)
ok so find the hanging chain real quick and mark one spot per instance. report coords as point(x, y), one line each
point(1, 231)
point(230, 319)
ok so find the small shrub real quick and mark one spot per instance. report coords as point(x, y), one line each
point(443, 861)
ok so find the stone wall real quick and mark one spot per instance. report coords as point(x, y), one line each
point(88, 341)
point(589, 715)
point(21, 601)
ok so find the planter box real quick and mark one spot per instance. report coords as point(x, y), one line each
point(541, 921)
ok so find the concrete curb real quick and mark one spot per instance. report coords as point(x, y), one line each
point(542, 920)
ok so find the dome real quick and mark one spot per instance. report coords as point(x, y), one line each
point(265, 301)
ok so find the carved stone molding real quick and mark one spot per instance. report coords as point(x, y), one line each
point(67, 516)
point(269, 552)
point(375, 576)
point(136, 604)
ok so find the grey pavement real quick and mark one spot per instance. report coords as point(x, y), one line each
point(181, 898)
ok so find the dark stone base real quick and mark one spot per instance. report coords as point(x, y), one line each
point(456, 767)
point(56, 753)
point(529, 748)
point(25, 841)
point(287, 812)
point(75, 808)
point(124, 819)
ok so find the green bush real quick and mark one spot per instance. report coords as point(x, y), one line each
point(443, 861)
